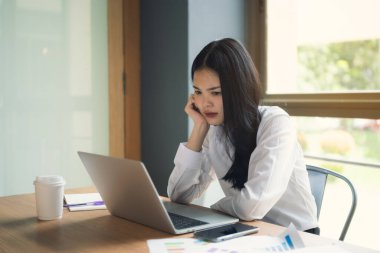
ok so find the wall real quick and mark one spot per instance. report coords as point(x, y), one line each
point(164, 65)
point(211, 20)
point(172, 33)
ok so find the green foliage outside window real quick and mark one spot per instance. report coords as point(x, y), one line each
point(339, 66)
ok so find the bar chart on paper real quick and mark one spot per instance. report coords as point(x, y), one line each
point(283, 245)
point(257, 244)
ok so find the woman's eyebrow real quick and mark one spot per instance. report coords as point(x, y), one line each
point(212, 88)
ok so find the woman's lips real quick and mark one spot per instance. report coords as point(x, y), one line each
point(211, 114)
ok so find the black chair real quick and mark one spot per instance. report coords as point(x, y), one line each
point(318, 179)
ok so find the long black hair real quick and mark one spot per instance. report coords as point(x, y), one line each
point(241, 92)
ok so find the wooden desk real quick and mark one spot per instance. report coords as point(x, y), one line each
point(89, 231)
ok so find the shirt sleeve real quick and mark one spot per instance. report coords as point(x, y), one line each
point(270, 168)
point(191, 175)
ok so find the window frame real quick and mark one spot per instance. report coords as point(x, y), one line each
point(328, 104)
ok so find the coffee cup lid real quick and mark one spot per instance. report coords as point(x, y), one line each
point(50, 179)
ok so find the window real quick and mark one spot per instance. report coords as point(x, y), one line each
point(320, 61)
point(320, 58)
point(53, 90)
point(326, 46)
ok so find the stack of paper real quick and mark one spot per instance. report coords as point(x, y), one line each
point(84, 201)
point(246, 244)
point(289, 241)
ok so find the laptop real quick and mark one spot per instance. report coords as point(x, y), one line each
point(129, 193)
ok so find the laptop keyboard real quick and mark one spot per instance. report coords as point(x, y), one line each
point(181, 222)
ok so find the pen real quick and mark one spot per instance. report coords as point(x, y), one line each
point(94, 203)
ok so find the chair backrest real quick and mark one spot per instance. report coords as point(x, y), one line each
point(318, 179)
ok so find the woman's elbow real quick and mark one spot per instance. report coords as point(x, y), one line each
point(179, 198)
point(249, 214)
point(173, 196)
point(249, 217)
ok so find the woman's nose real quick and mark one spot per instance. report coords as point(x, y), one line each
point(207, 102)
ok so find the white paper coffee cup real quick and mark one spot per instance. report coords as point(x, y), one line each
point(49, 197)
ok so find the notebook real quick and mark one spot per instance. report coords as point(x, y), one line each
point(128, 192)
point(84, 201)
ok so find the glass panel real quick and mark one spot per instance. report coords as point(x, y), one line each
point(339, 138)
point(351, 140)
point(53, 89)
point(322, 46)
point(337, 200)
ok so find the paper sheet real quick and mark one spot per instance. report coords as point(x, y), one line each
point(289, 240)
point(83, 198)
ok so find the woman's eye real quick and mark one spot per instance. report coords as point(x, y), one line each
point(216, 93)
point(197, 92)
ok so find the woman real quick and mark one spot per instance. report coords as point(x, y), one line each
point(251, 149)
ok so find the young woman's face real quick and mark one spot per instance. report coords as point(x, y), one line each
point(208, 95)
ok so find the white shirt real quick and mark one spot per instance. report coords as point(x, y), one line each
point(277, 189)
